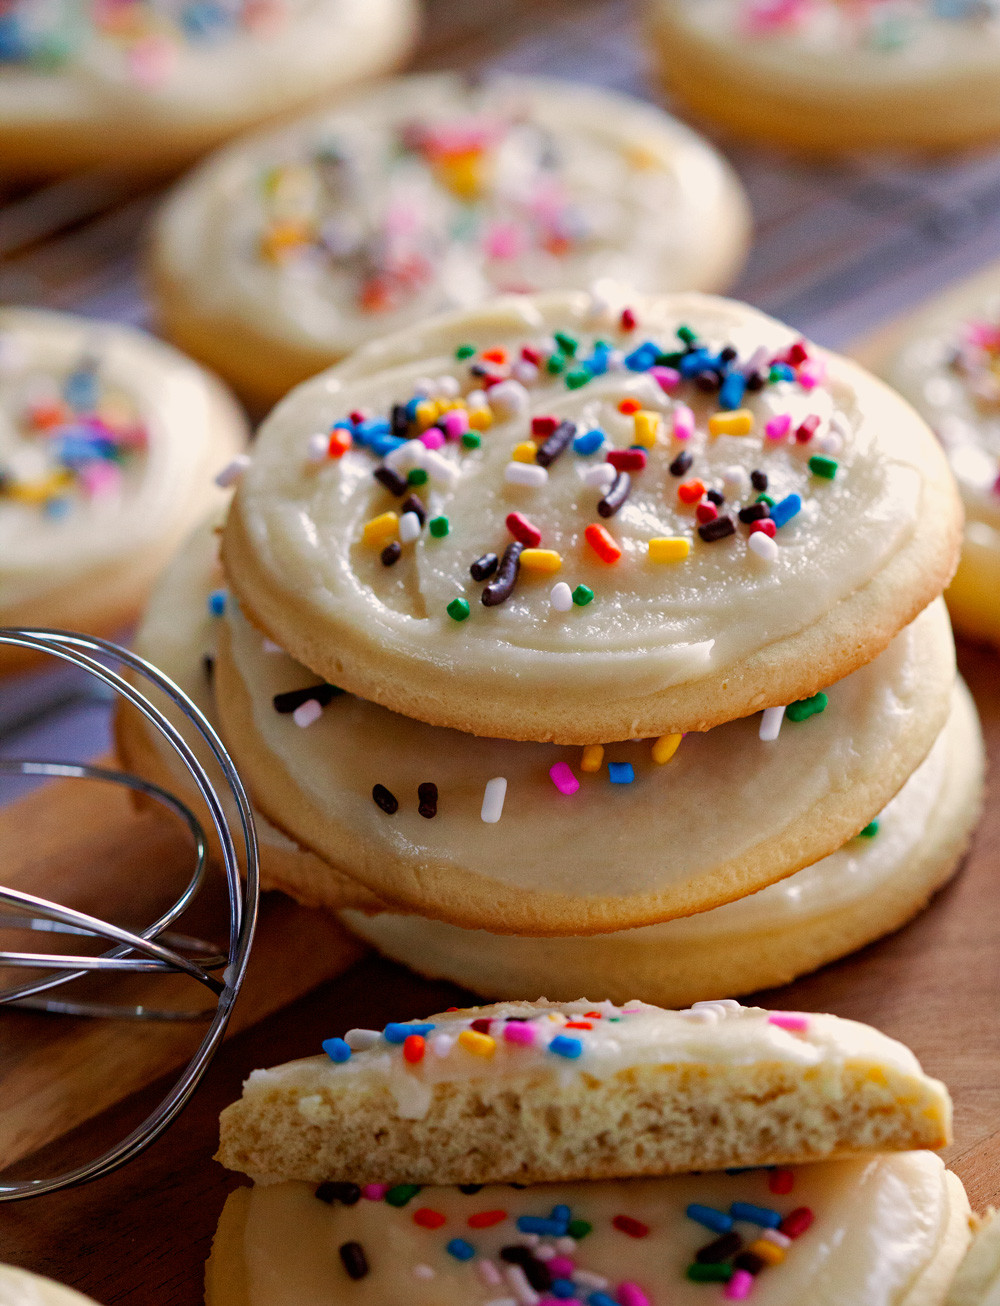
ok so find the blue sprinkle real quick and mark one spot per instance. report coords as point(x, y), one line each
point(56, 508)
point(80, 390)
point(394, 1033)
point(217, 603)
point(336, 1049)
point(411, 407)
point(782, 372)
point(560, 1213)
point(460, 1249)
point(601, 1299)
point(563, 1288)
point(564, 1046)
point(589, 442)
point(380, 445)
point(697, 361)
point(785, 510)
point(539, 1224)
point(761, 1215)
point(731, 393)
point(597, 363)
point(717, 1221)
point(643, 358)
point(621, 773)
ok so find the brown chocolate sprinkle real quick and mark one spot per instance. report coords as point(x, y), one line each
point(427, 798)
point(354, 1259)
point(385, 799)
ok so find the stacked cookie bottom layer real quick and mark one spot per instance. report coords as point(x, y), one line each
point(912, 837)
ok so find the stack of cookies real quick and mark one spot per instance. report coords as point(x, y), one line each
point(566, 643)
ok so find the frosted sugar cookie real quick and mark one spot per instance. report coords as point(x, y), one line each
point(284, 253)
point(827, 78)
point(149, 84)
point(948, 366)
point(869, 887)
point(20, 1288)
point(977, 1282)
point(109, 442)
point(549, 519)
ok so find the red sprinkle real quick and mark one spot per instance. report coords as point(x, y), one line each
point(807, 429)
point(481, 1025)
point(629, 406)
point(340, 442)
point(523, 530)
point(595, 1015)
point(413, 1048)
point(357, 416)
point(634, 1228)
point(542, 427)
point(428, 1219)
point(496, 355)
point(486, 1219)
point(629, 320)
point(531, 355)
point(797, 353)
point(796, 1222)
point(578, 1024)
point(627, 460)
point(764, 524)
point(603, 544)
point(781, 1181)
point(706, 512)
point(690, 491)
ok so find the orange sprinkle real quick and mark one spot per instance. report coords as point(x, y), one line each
point(496, 355)
point(578, 1024)
point(340, 442)
point(690, 491)
point(603, 544)
point(486, 1219)
point(413, 1048)
point(425, 1217)
point(44, 416)
point(629, 406)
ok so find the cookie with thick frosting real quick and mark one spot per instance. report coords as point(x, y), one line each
point(883, 1231)
point(548, 520)
point(109, 445)
point(285, 252)
point(830, 78)
point(977, 1282)
point(947, 364)
point(149, 84)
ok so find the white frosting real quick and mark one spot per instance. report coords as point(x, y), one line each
point(20, 1288)
point(187, 430)
point(547, 185)
point(881, 1225)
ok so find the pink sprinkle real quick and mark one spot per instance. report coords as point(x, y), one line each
point(562, 1267)
point(811, 374)
point(796, 1021)
point(504, 240)
point(100, 478)
point(779, 426)
point(455, 423)
point(433, 438)
point(374, 1192)
point(563, 778)
point(739, 1286)
point(668, 377)
point(996, 486)
point(519, 1031)
point(488, 1272)
point(683, 423)
point(630, 1294)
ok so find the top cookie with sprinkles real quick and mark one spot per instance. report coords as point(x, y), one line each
point(563, 518)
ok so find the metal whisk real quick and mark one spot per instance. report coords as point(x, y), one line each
point(155, 949)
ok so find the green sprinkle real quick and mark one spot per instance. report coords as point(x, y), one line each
point(567, 343)
point(472, 440)
point(668, 360)
point(870, 830)
point(465, 351)
point(820, 465)
point(578, 377)
point(579, 1229)
point(582, 595)
point(416, 476)
point(401, 1194)
point(458, 609)
point(765, 498)
point(710, 1272)
point(556, 364)
point(439, 527)
point(687, 335)
point(806, 707)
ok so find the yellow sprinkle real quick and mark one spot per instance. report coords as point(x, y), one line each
point(642, 158)
point(427, 412)
point(380, 528)
point(767, 1251)
point(480, 1045)
point(283, 237)
point(647, 428)
point(480, 419)
point(738, 423)
point(592, 758)
point(665, 747)
point(669, 548)
point(524, 452)
point(543, 560)
point(35, 492)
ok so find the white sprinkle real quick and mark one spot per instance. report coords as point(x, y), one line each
point(567, 1245)
point(306, 713)
point(488, 1272)
point(770, 722)
point(424, 387)
point(775, 1236)
point(761, 543)
point(561, 597)
point(735, 479)
point(410, 454)
point(545, 1253)
point(589, 1279)
point(508, 399)
point(493, 796)
point(616, 360)
point(440, 469)
point(476, 399)
point(233, 471)
point(701, 1017)
point(600, 475)
point(409, 527)
point(269, 646)
point(447, 386)
point(831, 443)
point(840, 423)
point(523, 1290)
point(525, 474)
point(318, 449)
point(525, 372)
point(359, 1039)
point(442, 1044)
point(424, 1272)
